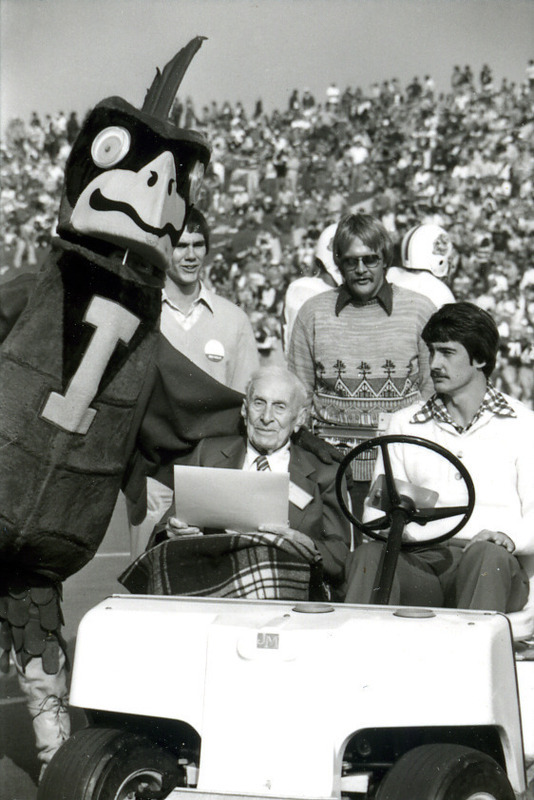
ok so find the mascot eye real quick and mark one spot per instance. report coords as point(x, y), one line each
point(196, 177)
point(110, 146)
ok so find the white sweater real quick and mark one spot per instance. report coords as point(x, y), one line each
point(497, 451)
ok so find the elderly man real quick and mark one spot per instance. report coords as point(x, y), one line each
point(358, 348)
point(275, 406)
point(492, 434)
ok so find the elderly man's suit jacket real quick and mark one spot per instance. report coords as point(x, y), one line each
point(321, 519)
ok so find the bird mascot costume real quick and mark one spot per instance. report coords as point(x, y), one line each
point(74, 367)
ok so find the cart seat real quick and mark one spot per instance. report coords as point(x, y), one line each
point(522, 623)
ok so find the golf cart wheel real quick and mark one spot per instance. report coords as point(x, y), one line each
point(445, 772)
point(108, 764)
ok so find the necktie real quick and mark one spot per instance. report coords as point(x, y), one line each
point(262, 464)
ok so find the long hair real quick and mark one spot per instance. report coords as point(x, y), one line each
point(367, 228)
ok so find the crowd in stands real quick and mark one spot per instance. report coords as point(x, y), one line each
point(463, 159)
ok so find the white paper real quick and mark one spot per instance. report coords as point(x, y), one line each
point(230, 498)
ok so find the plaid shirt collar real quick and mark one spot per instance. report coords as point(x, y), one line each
point(493, 403)
point(384, 298)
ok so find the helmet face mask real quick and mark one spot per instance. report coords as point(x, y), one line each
point(427, 247)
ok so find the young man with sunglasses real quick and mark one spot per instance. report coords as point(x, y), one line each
point(358, 348)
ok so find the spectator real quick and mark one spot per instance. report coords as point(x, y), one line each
point(333, 97)
point(429, 87)
point(462, 160)
point(73, 127)
point(207, 329)
point(307, 102)
point(530, 74)
point(414, 89)
point(294, 104)
point(486, 78)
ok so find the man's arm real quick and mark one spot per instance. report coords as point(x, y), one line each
point(247, 359)
point(14, 295)
point(518, 538)
point(300, 354)
point(335, 543)
point(325, 452)
point(523, 534)
point(426, 386)
point(425, 383)
point(171, 526)
point(396, 460)
point(404, 461)
point(401, 457)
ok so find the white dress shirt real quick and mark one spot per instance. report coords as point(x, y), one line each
point(278, 461)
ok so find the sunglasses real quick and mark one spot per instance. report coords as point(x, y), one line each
point(351, 263)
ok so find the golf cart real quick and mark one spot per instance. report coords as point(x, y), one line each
point(189, 698)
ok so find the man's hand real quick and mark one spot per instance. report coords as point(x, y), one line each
point(289, 533)
point(175, 528)
point(498, 537)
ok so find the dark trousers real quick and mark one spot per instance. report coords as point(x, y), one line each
point(486, 576)
point(358, 491)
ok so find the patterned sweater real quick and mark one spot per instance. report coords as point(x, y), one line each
point(361, 362)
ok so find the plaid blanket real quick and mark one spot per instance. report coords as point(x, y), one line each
point(262, 566)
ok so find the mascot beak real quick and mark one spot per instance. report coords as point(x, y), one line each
point(139, 209)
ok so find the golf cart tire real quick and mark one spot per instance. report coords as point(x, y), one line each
point(107, 764)
point(445, 772)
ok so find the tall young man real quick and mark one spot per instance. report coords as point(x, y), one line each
point(206, 354)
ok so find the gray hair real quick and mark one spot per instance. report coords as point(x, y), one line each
point(300, 393)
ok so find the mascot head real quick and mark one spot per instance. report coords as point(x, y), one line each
point(132, 176)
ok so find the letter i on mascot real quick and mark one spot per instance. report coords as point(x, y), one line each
point(73, 366)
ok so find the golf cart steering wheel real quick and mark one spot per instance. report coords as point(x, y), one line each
point(403, 508)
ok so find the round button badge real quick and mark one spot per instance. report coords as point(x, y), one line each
point(214, 350)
